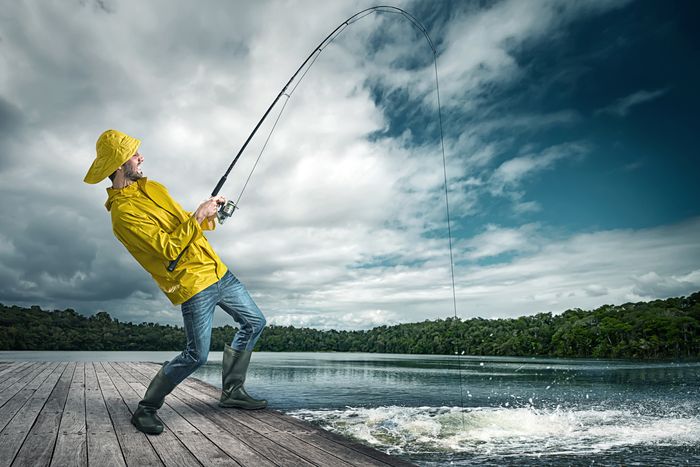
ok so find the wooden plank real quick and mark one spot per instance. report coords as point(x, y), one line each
point(50, 416)
point(17, 381)
point(294, 434)
point(331, 441)
point(103, 435)
point(310, 451)
point(16, 367)
point(70, 450)
point(220, 436)
point(306, 448)
point(27, 385)
point(12, 383)
point(303, 430)
point(348, 450)
point(206, 452)
point(12, 367)
point(26, 369)
point(14, 434)
point(367, 450)
point(11, 372)
point(168, 446)
point(71, 442)
point(39, 443)
point(17, 401)
point(255, 441)
point(48, 371)
point(73, 420)
point(102, 444)
point(124, 371)
point(136, 448)
point(210, 397)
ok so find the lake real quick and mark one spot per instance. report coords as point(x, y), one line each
point(506, 411)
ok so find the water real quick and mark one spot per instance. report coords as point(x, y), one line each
point(515, 411)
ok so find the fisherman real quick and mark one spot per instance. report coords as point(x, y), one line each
point(156, 230)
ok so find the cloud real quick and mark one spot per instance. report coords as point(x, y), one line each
point(497, 240)
point(353, 320)
point(652, 285)
point(547, 272)
point(586, 271)
point(11, 120)
point(482, 45)
point(343, 224)
point(621, 107)
point(513, 172)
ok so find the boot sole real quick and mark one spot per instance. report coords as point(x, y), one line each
point(154, 431)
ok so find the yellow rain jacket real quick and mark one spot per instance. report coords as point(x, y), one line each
point(155, 229)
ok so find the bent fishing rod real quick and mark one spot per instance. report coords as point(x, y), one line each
point(228, 209)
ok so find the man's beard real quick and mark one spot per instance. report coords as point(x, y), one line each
point(132, 175)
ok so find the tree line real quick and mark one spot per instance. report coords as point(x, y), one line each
point(648, 330)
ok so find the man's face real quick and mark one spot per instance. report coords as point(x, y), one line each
point(132, 167)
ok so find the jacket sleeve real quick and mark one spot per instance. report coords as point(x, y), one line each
point(206, 224)
point(138, 232)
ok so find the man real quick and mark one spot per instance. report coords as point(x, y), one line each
point(156, 230)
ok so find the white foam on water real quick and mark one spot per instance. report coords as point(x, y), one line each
point(504, 431)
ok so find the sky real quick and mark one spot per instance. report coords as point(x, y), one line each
point(569, 138)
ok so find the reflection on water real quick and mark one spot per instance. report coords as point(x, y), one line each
point(506, 411)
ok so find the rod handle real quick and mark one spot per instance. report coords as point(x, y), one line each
point(222, 180)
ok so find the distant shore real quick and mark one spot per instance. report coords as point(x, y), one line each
point(659, 329)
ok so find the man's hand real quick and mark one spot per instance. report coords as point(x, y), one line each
point(208, 209)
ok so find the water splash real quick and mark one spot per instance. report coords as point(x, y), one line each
point(504, 431)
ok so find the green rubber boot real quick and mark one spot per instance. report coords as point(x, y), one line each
point(235, 367)
point(145, 418)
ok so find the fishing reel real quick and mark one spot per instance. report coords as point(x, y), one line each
point(226, 211)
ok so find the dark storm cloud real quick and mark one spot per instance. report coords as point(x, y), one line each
point(11, 119)
point(53, 256)
point(71, 70)
point(51, 244)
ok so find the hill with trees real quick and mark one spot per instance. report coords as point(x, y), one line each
point(647, 330)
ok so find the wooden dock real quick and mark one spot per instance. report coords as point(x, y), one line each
point(77, 414)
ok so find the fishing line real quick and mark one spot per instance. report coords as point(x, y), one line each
point(317, 53)
point(286, 101)
point(306, 66)
point(449, 234)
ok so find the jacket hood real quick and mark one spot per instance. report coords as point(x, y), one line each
point(113, 149)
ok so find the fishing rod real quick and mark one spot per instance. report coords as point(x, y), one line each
point(228, 209)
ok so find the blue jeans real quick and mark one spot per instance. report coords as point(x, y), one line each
point(197, 314)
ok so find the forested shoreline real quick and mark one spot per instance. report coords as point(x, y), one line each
point(659, 329)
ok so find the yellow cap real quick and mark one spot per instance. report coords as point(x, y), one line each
point(113, 149)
